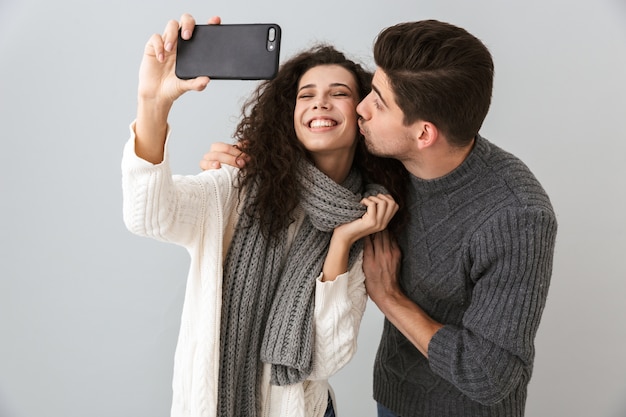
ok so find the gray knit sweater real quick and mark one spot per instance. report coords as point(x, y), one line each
point(477, 257)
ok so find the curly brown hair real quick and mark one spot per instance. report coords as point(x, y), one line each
point(267, 135)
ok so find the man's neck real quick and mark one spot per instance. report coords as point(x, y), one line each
point(437, 162)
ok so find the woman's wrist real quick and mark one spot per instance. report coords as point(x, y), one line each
point(153, 108)
point(151, 130)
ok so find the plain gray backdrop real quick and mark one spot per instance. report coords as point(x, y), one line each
point(89, 313)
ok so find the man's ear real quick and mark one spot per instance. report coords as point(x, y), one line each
point(427, 134)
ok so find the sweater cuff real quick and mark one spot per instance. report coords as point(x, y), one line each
point(441, 348)
point(331, 293)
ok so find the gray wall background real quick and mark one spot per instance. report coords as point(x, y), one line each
point(89, 313)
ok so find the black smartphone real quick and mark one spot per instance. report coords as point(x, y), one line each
point(230, 52)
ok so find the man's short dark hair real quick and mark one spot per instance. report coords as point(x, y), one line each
point(439, 73)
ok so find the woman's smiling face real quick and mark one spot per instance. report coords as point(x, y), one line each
point(325, 118)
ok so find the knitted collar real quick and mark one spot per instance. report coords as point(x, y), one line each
point(474, 162)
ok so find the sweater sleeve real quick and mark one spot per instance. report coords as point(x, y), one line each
point(510, 264)
point(166, 207)
point(339, 308)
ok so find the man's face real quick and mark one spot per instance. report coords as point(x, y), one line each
point(381, 121)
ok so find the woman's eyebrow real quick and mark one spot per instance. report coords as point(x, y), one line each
point(331, 85)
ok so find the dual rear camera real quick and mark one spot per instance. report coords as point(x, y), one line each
point(271, 39)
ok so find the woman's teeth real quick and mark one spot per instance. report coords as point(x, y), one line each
point(322, 123)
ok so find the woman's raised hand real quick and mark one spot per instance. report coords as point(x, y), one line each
point(157, 79)
point(159, 87)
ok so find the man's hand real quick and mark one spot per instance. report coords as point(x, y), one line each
point(223, 153)
point(381, 265)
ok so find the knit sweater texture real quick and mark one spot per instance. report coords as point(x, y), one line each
point(199, 212)
point(477, 257)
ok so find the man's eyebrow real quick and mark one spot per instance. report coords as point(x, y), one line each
point(331, 85)
point(377, 91)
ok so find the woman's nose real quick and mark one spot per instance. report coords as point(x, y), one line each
point(321, 104)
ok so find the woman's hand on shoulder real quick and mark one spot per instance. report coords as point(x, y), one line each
point(157, 78)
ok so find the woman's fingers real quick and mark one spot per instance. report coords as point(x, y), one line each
point(187, 24)
point(154, 47)
point(169, 38)
point(215, 20)
point(161, 45)
point(380, 209)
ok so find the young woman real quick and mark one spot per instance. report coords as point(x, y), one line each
point(275, 291)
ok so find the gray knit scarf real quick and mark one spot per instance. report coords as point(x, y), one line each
point(268, 294)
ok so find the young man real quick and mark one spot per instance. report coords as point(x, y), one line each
point(464, 286)
point(463, 308)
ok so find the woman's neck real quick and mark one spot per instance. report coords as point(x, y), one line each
point(335, 167)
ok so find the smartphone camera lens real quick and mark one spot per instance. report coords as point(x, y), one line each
point(271, 39)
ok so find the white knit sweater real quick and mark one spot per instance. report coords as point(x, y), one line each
point(199, 212)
